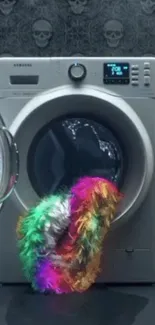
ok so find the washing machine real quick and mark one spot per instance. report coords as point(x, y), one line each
point(63, 118)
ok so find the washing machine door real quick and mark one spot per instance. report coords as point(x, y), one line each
point(8, 163)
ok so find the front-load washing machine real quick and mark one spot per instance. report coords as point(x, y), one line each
point(62, 118)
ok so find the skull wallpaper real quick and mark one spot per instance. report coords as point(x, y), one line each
point(77, 27)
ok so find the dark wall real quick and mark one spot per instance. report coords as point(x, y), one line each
point(71, 27)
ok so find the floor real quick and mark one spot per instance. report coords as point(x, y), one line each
point(99, 306)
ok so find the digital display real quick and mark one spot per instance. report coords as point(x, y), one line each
point(116, 73)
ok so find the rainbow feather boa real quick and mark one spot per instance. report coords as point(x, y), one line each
point(61, 239)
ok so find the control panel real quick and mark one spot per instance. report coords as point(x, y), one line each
point(116, 73)
point(123, 73)
point(134, 74)
point(125, 77)
point(146, 74)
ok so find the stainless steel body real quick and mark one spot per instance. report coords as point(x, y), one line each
point(35, 91)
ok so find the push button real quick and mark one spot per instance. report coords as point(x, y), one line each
point(135, 73)
point(147, 72)
point(135, 78)
point(147, 80)
point(146, 65)
point(135, 82)
point(135, 67)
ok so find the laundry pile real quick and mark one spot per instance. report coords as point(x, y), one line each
point(61, 239)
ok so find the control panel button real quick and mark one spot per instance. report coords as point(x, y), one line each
point(135, 73)
point(147, 72)
point(77, 72)
point(116, 81)
point(135, 67)
point(135, 78)
point(135, 82)
point(146, 65)
point(147, 80)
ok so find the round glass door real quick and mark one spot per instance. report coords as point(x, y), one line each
point(8, 163)
point(69, 148)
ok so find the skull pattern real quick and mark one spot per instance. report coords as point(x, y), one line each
point(148, 6)
point(6, 6)
point(77, 6)
point(42, 32)
point(113, 32)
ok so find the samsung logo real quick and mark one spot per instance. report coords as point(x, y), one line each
point(21, 65)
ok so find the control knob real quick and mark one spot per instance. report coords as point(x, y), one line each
point(77, 72)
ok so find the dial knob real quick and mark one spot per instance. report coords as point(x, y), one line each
point(77, 72)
